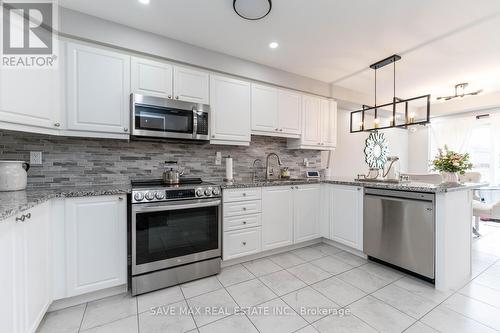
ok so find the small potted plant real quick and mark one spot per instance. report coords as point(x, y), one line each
point(450, 164)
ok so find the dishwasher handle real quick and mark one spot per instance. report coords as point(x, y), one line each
point(392, 194)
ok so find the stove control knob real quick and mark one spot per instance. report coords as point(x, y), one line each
point(138, 196)
point(199, 192)
point(160, 195)
point(150, 195)
point(208, 191)
point(215, 191)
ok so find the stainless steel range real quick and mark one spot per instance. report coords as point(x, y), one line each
point(175, 233)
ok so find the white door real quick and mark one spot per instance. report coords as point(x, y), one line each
point(152, 78)
point(306, 203)
point(36, 265)
point(347, 215)
point(311, 115)
point(96, 238)
point(30, 97)
point(277, 217)
point(329, 123)
point(8, 278)
point(264, 109)
point(98, 90)
point(191, 85)
point(289, 112)
point(230, 110)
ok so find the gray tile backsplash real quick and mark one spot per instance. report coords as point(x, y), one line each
point(87, 161)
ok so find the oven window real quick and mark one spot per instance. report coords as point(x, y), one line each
point(169, 234)
point(163, 119)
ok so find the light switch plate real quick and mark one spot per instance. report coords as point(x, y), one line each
point(35, 158)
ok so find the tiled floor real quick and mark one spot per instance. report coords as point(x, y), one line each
point(314, 289)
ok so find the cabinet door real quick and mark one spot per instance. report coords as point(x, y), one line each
point(230, 110)
point(96, 237)
point(290, 112)
point(264, 109)
point(98, 90)
point(36, 265)
point(311, 115)
point(149, 77)
point(190, 85)
point(325, 210)
point(347, 216)
point(30, 97)
point(306, 212)
point(329, 123)
point(8, 279)
point(277, 217)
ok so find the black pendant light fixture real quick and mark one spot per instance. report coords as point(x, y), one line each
point(399, 113)
point(252, 10)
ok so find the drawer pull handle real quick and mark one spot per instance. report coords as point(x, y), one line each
point(244, 208)
point(244, 243)
point(244, 194)
point(28, 216)
point(22, 218)
point(244, 222)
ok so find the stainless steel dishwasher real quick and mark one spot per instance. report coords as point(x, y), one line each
point(399, 229)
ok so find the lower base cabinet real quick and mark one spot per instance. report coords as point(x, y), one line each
point(306, 213)
point(346, 215)
point(277, 217)
point(239, 243)
point(96, 243)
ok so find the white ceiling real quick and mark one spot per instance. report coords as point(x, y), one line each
point(442, 42)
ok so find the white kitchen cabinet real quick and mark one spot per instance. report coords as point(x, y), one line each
point(240, 243)
point(329, 123)
point(30, 99)
point(150, 77)
point(346, 215)
point(96, 239)
point(306, 204)
point(277, 217)
point(275, 112)
point(26, 270)
point(311, 134)
point(325, 210)
point(191, 85)
point(264, 109)
point(98, 90)
point(230, 111)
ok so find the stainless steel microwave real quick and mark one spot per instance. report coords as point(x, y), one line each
point(165, 118)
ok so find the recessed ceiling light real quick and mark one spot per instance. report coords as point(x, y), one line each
point(144, 2)
point(273, 45)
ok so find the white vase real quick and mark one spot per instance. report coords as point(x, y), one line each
point(450, 178)
point(13, 175)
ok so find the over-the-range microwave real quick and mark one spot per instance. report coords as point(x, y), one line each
point(165, 118)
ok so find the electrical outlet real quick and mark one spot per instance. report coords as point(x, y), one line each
point(35, 157)
point(218, 158)
point(306, 162)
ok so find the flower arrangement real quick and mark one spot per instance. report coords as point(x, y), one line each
point(450, 161)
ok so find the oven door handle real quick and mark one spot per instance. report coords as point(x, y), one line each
point(195, 123)
point(175, 206)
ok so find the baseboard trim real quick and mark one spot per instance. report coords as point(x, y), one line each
point(345, 248)
point(89, 297)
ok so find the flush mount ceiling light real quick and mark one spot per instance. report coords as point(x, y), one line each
point(274, 45)
point(460, 92)
point(144, 2)
point(252, 9)
point(399, 113)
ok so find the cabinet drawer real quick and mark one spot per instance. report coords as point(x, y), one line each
point(242, 194)
point(242, 208)
point(240, 243)
point(240, 222)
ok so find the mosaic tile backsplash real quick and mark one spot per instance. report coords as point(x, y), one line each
point(89, 161)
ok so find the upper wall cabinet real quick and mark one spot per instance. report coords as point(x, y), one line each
point(156, 78)
point(275, 112)
point(98, 90)
point(153, 78)
point(230, 111)
point(191, 85)
point(30, 99)
point(319, 125)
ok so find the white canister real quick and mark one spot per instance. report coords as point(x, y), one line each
point(13, 176)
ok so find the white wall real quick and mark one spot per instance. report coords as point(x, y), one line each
point(74, 24)
point(418, 149)
point(348, 159)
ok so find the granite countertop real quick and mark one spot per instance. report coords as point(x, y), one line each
point(404, 186)
point(12, 203)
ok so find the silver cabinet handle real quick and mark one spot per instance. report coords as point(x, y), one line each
point(244, 243)
point(244, 208)
point(57, 124)
point(213, 136)
point(275, 129)
point(281, 130)
point(125, 129)
point(244, 222)
point(169, 96)
point(28, 216)
point(120, 198)
point(244, 194)
point(21, 219)
point(296, 187)
point(176, 97)
point(291, 187)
